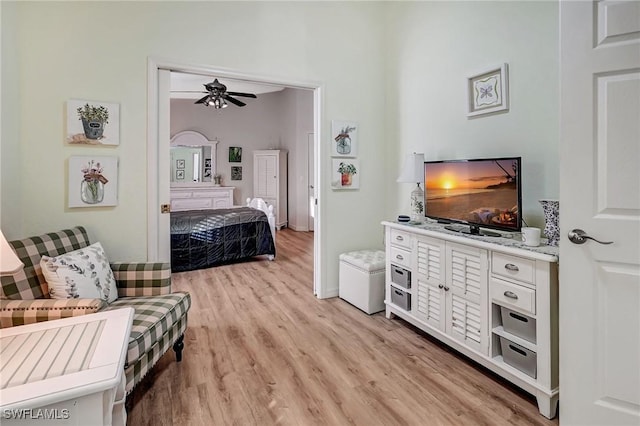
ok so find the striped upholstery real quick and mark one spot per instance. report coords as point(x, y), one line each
point(160, 316)
point(20, 312)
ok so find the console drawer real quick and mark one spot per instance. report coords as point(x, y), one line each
point(400, 257)
point(509, 294)
point(400, 238)
point(513, 267)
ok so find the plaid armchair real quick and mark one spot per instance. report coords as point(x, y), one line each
point(160, 317)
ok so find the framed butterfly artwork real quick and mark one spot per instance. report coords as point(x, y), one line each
point(488, 91)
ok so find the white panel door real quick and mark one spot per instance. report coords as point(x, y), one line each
point(311, 173)
point(600, 194)
point(267, 176)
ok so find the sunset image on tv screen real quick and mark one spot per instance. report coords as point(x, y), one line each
point(482, 192)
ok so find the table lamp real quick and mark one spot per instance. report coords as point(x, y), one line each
point(9, 262)
point(413, 172)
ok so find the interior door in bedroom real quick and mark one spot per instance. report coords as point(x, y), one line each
point(311, 172)
point(600, 194)
point(270, 181)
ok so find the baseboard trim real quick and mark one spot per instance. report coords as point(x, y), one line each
point(299, 228)
point(329, 293)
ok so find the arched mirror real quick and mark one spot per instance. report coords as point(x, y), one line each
point(193, 158)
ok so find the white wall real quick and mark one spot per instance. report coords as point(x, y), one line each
point(10, 148)
point(252, 127)
point(297, 123)
point(434, 48)
point(399, 69)
point(99, 51)
point(278, 120)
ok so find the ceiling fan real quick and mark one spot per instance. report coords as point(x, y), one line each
point(217, 95)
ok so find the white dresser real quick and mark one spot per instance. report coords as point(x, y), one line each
point(270, 181)
point(65, 372)
point(201, 197)
point(493, 299)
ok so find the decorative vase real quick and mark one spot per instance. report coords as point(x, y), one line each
point(551, 209)
point(346, 179)
point(417, 205)
point(92, 191)
point(93, 129)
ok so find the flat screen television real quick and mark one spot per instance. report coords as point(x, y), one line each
point(473, 194)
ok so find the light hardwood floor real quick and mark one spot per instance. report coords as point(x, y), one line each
point(260, 349)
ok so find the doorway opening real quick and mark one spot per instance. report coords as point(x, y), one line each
point(158, 141)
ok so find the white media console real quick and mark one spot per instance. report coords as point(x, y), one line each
point(493, 299)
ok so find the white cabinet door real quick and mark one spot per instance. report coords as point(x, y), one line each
point(430, 279)
point(267, 176)
point(600, 193)
point(466, 290)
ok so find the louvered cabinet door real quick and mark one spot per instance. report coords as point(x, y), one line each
point(265, 175)
point(466, 288)
point(430, 274)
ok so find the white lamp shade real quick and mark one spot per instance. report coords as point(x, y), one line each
point(9, 262)
point(412, 169)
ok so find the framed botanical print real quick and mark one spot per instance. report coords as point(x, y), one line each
point(344, 135)
point(235, 154)
point(93, 181)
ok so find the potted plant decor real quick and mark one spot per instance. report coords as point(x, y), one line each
point(346, 170)
point(93, 119)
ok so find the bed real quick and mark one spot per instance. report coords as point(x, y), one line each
point(205, 238)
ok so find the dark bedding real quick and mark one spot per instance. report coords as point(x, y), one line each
point(204, 238)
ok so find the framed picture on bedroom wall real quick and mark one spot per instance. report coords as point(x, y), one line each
point(235, 154)
point(236, 173)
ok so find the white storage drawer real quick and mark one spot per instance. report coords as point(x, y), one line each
point(208, 194)
point(191, 204)
point(181, 194)
point(400, 238)
point(509, 294)
point(513, 267)
point(400, 257)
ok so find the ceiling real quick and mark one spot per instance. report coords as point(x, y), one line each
point(191, 86)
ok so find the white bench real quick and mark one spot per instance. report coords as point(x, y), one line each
point(361, 279)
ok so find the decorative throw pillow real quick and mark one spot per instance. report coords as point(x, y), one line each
point(83, 273)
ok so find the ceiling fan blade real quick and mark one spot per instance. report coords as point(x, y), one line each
point(202, 100)
point(233, 101)
point(246, 95)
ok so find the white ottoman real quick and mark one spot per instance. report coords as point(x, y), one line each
point(361, 280)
